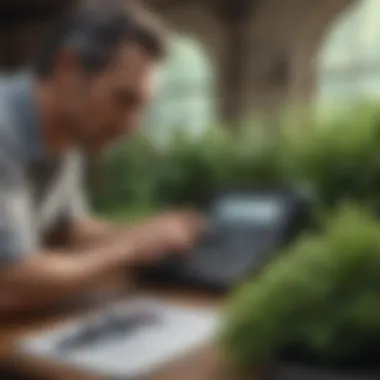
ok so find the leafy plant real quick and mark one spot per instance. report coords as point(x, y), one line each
point(318, 303)
point(128, 176)
point(337, 157)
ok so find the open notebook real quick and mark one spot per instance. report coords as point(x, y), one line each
point(130, 341)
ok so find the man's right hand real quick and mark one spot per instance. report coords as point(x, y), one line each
point(162, 235)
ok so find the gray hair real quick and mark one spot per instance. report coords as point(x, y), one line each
point(96, 29)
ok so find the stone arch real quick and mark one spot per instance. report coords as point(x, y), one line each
point(280, 42)
point(281, 37)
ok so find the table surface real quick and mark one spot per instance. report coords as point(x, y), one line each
point(205, 363)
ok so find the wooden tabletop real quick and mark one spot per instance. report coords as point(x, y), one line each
point(204, 364)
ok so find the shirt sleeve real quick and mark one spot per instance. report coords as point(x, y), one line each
point(17, 237)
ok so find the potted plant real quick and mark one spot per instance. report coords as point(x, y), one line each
point(313, 314)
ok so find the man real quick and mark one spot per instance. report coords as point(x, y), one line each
point(89, 86)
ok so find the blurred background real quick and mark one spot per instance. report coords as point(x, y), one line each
point(236, 68)
point(274, 92)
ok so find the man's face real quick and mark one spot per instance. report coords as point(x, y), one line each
point(101, 108)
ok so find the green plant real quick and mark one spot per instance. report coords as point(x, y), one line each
point(189, 171)
point(339, 156)
point(186, 171)
point(128, 176)
point(318, 302)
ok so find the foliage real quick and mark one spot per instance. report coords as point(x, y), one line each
point(186, 171)
point(338, 157)
point(318, 302)
point(126, 176)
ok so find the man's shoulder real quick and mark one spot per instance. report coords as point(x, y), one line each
point(5, 94)
point(9, 85)
point(8, 136)
point(9, 151)
point(12, 173)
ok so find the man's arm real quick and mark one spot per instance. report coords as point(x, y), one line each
point(50, 277)
point(31, 276)
point(83, 231)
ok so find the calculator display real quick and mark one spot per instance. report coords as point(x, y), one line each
point(257, 210)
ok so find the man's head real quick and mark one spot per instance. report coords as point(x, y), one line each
point(100, 64)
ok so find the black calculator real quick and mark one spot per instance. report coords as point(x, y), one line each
point(247, 228)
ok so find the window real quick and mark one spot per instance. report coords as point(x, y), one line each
point(349, 60)
point(185, 97)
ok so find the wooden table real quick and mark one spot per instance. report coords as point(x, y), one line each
point(205, 364)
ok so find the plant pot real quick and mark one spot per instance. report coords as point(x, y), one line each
point(301, 372)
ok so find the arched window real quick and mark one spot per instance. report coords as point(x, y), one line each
point(349, 61)
point(185, 91)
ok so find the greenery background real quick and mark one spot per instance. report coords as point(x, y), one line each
point(336, 157)
point(320, 301)
point(331, 317)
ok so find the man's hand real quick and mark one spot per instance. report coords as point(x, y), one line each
point(160, 236)
point(49, 277)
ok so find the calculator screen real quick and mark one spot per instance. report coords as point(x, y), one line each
point(257, 210)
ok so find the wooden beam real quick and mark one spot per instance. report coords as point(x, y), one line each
point(14, 4)
point(234, 10)
point(164, 5)
point(235, 16)
point(19, 17)
point(21, 11)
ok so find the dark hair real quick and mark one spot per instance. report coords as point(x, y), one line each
point(96, 29)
